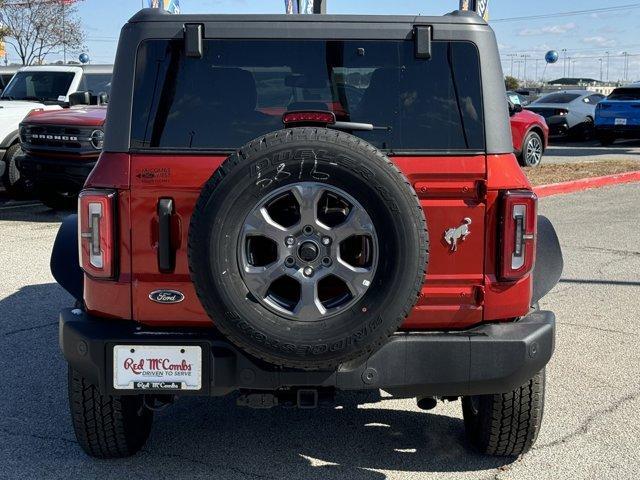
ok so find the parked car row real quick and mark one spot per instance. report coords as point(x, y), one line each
point(63, 109)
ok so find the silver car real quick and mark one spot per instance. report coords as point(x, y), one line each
point(568, 112)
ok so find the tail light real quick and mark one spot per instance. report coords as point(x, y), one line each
point(519, 221)
point(308, 117)
point(96, 232)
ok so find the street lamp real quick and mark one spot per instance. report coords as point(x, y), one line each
point(512, 56)
point(600, 60)
point(525, 56)
point(564, 62)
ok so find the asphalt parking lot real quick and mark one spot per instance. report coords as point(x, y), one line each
point(566, 151)
point(591, 425)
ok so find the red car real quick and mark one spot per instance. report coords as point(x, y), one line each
point(530, 135)
point(61, 147)
point(228, 247)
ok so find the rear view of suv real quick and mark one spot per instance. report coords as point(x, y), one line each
point(618, 116)
point(288, 216)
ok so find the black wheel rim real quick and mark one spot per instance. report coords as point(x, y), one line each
point(307, 251)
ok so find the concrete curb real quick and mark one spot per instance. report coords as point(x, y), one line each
point(586, 183)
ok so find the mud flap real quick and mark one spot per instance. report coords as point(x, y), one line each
point(549, 262)
point(64, 258)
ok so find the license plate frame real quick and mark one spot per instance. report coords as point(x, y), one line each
point(164, 368)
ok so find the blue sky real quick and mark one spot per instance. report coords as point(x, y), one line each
point(586, 37)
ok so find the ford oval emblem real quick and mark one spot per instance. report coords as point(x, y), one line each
point(166, 296)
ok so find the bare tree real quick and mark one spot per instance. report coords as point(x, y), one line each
point(37, 28)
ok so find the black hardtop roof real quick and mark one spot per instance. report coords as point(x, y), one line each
point(457, 17)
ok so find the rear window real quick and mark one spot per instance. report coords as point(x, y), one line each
point(625, 94)
point(239, 90)
point(558, 98)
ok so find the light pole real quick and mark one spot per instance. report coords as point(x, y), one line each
point(625, 69)
point(600, 60)
point(564, 62)
point(525, 56)
point(607, 66)
point(512, 56)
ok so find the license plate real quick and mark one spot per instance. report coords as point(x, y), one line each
point(621, 121)
point(157, 367)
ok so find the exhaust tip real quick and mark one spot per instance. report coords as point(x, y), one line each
point(426, 403)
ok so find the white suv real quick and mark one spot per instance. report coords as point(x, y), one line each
point(45, 87)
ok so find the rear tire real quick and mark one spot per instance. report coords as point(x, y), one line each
point(505, 424)
point(107, 426)
point(532, 150)
point(584, 132)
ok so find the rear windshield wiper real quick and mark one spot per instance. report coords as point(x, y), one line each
point(356, 126)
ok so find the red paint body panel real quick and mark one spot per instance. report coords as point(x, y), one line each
point(522, 123)
point(154, 177)
point(460, 287)
point(111, 171)
point(73, 116)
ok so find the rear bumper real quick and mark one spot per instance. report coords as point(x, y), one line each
point(492, 358)
point(60, 172)
point(619, 131)
point(558, 126)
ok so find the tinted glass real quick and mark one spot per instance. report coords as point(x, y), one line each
point(240, 89)
point(96, 83)
point(40, 86)
point(625, 94)
point(5, 79)
point(558, 98)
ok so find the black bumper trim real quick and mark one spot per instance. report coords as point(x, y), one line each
point(491, 358)
point(42, 169)
point(620, 131)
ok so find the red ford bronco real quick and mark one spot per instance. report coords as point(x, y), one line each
point(60, 148)
point(289, 206)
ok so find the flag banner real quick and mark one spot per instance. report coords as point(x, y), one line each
point(291, 6)
point(306, 6)
point(171, 6)
point(481, 7)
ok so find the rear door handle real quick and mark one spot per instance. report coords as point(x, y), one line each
point(166, 253)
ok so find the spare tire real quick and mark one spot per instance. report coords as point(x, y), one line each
point(308, 248)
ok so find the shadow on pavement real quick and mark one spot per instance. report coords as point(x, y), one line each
point(207, 437)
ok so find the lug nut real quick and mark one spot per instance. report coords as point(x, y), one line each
point(308, 271)
point(289, 261)
point(326, 241)
point(290, 241)
point(307, 230)
point(326, 261)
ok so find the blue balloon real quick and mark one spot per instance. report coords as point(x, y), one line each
point(551, 56)
point(83, 57)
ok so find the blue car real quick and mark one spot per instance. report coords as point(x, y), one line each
point(618, 116)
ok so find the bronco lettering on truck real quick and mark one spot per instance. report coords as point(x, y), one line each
point(342, 211)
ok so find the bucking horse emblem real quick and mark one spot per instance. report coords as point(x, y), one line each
point(454, 235)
